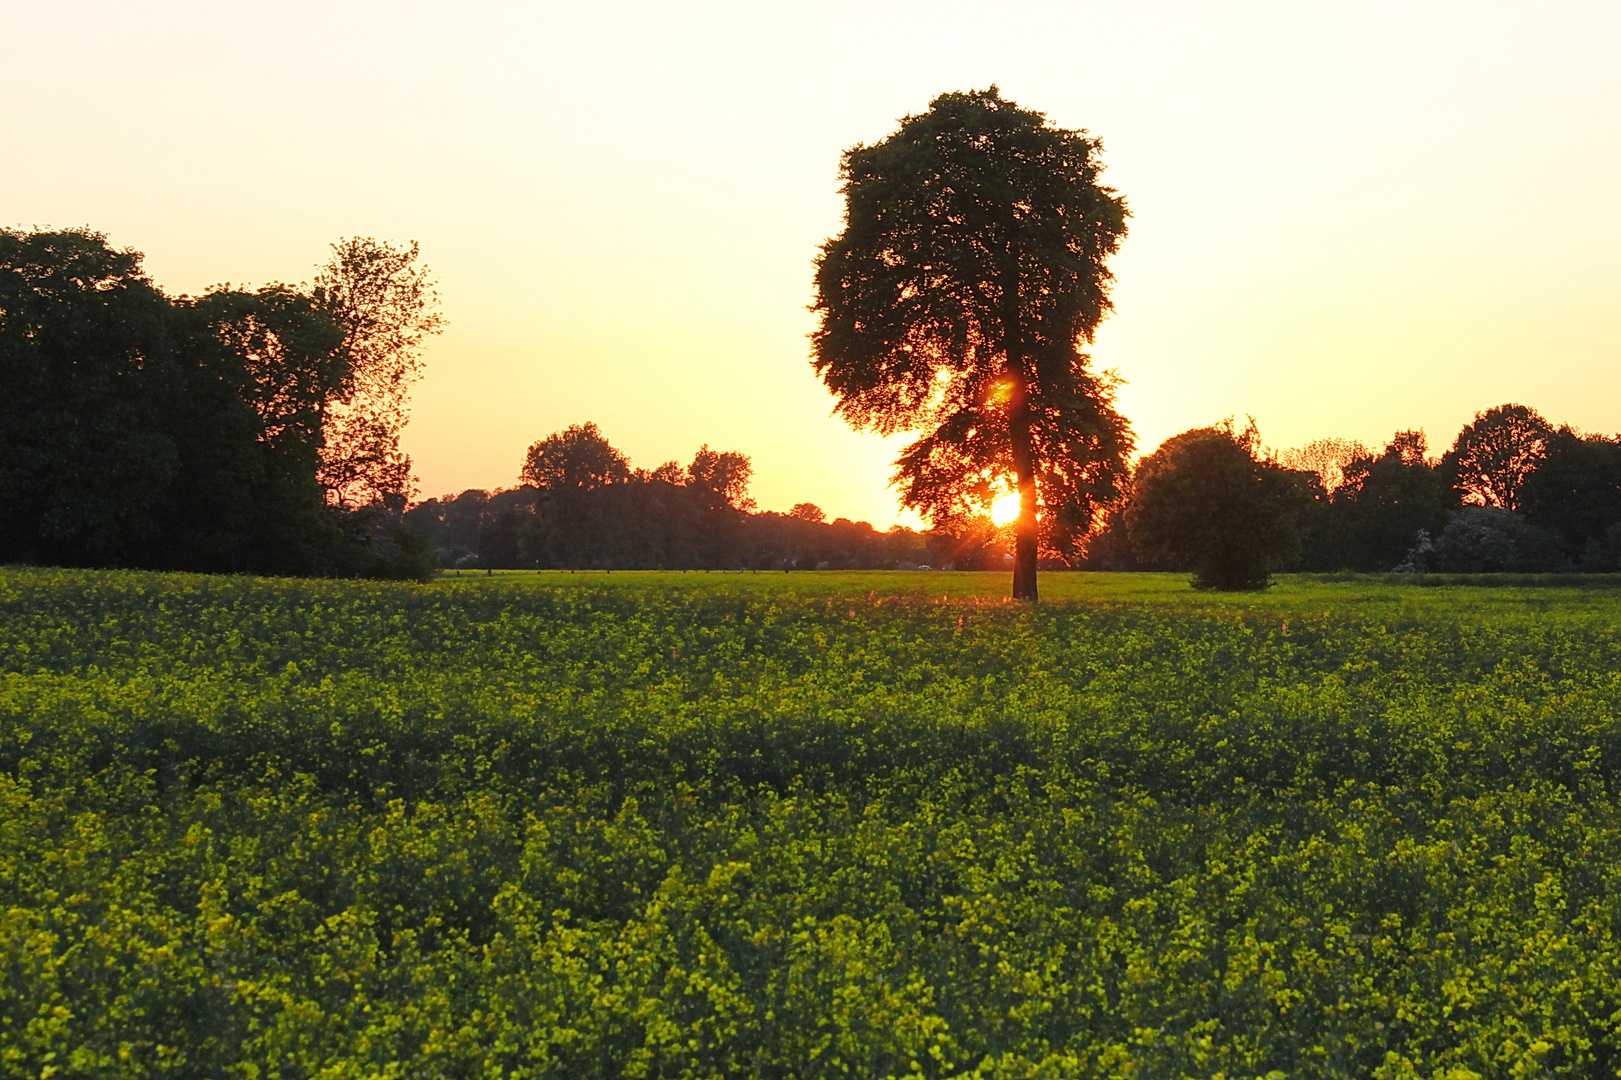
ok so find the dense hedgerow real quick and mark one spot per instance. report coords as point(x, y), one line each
point(256, 828)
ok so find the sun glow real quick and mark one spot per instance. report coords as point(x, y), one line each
point(1006, 508)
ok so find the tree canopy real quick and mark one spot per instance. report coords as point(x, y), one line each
point(970, 271)
point(173, 433)
point(577, 458)
point(1205, 501)
point(1375, 515)
point(1494, 455)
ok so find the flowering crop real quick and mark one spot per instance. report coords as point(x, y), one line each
point(789, 826)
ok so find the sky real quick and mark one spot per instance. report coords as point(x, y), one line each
point(1346, 218)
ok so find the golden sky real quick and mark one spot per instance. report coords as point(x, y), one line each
point(1347, 218)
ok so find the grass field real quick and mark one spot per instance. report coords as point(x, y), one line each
point(810, 824)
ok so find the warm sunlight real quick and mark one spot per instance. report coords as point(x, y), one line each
point(1006, 508)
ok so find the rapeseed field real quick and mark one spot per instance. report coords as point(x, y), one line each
point(807, 825)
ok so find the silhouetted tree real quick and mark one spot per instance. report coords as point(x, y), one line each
point(88, 380)
point(969, 272)
point(1493, 456)
point(1327, 458)
point(1204, 501)
point(386, 305)
point(260, 366)
point(807, 512)
point(185, 434)
point(1374, 516)
point(578, 458)
point(722, 477)
point(1575, 492)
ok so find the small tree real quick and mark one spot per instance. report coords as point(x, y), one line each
point(1493, 457)
point(1325, 457)
point(386, 305)
point(969, 272)
point(1203, 500)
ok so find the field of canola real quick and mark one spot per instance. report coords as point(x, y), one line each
point(807, 825)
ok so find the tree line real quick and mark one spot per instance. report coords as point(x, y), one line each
point(1513, 493)
point(580, 505)
point(242, 430)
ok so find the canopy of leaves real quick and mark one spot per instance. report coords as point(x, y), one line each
point(577, 458)
point(1575, 491)
point(1493, 456)
point(723, 476)
point(1374, 517)
point(386, 306)
point(1325, 457)
point(970, 271)
point(1204, 501)
point(140, 430)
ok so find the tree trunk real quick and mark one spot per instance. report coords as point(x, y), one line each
point(1024, 545)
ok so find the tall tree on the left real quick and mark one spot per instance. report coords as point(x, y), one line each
point(140, 430)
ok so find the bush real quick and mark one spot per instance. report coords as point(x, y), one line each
point(1203, 501)
point(1486, 540)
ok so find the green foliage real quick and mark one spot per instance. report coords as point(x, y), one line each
point(1575, 493)
point(1203, 500)
point(89, 377)
point(1480, 539)
point(184, 433)
point(578, 458)
point(806, 825)
point(970, 270)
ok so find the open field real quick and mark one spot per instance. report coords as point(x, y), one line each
point(807, 824)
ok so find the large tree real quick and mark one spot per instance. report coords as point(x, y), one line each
point(578, 458)
point(88, 383)
point(1575, 491)
point(954, 304)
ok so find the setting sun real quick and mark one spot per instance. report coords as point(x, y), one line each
point(1006, 508)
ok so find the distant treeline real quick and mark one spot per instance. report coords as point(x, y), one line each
point(1513, 493)
point(581, 505)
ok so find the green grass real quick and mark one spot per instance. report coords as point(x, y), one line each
point(1400, 595)
point(809, 824)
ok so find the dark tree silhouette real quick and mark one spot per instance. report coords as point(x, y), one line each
point(1575, 492)
point(578, 458)
point(722, 477)
point(969, 272)
point(182, 434)
point(1374, 516)
point(88, 380)
point(1494, 455)
point(1203, 500)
